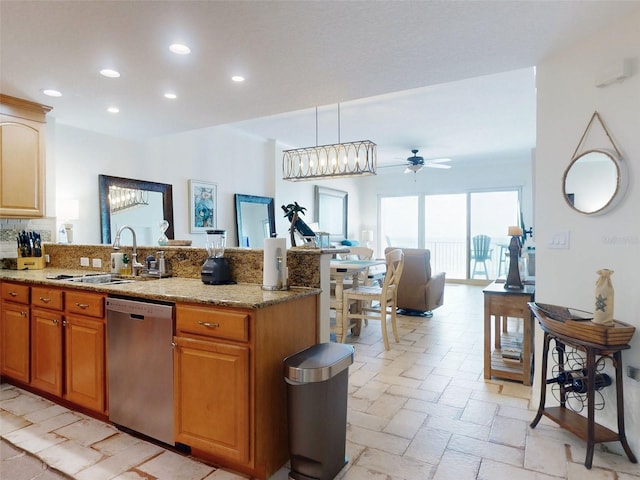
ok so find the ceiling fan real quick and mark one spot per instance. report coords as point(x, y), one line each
point(416, 163)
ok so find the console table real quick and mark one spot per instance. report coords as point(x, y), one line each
point(511, 355)
point(598, 343)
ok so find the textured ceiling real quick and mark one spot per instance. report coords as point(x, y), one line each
point(295, 55)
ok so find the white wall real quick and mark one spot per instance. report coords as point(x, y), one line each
point(79, 157)
point(237, 163)
point(567, 97)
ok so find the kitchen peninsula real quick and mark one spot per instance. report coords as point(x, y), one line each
point(229, 342)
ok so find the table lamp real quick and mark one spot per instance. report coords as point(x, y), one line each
point(68, 210)
point(515, 247)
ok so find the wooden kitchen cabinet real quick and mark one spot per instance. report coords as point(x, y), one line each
point(47, 320)
point(85, 350)
point(229, 388)
point(219, 421)
point(22, 157)
point(14, 331)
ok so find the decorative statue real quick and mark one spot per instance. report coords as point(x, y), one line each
point(292, 212)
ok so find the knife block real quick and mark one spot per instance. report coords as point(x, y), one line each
point(31, 263)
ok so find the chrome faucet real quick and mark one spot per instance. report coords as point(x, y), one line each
point(135, 265)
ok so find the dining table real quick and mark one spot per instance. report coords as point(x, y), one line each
point(344, 269)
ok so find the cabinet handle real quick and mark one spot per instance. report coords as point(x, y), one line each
point(45, 300)
point(13, 294)
point(55, 321)
point(64, 323)
point(82, 305)
point(23, 314)
point(209, 325)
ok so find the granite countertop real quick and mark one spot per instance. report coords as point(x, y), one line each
point(172, 289)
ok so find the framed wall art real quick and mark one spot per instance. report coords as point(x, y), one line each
point(203, 206)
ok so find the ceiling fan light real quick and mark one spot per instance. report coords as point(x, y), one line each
point(413, 168)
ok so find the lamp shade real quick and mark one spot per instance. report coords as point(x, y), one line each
point(515, 231)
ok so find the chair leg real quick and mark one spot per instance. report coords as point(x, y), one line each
point(383, 322)
point(394, 327)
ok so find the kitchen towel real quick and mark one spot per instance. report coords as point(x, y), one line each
point(274, 276)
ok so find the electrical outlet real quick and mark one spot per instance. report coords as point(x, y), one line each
point(47, 258)
point(96, 263)
point(633, 372)
point(84, 261)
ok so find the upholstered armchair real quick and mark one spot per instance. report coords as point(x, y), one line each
point(419, 292)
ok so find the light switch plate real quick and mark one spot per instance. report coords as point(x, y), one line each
point(84, 261)
point(559, 240)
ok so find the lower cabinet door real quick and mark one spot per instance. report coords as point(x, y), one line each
point(46, 351)
point(85, 370)
point(14, 341)
point(211, 387)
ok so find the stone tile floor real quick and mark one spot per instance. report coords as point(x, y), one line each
point(421, 411)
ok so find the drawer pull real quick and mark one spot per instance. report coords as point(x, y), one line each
point(45, 300)
point(209, 325)
point(23, 314)
point(82, 305)
point(13, 294)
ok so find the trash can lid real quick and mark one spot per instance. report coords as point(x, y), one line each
point(317, 363)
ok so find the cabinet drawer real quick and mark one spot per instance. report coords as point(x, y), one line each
point(47, 298)
point(89, 304)
point(15, 292)
point(212, 322)
point(508, 306)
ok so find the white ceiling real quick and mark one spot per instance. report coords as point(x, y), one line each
point(388, 63)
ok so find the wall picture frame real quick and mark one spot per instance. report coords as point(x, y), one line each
point(203, 206)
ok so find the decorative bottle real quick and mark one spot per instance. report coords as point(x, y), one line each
point(603, 310)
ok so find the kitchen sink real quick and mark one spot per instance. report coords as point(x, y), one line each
point(105, 278)
point(97, 278)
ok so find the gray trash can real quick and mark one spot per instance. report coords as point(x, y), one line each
point(317, 381)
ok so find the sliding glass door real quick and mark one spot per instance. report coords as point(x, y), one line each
point(450, 226)
point(445, 233)
point(399, 222)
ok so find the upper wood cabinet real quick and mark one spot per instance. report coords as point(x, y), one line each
point(22, 157)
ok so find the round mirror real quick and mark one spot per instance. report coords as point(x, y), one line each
point(593, 182)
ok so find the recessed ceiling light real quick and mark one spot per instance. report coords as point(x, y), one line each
point(51, 93)
point(237, 78)
point(170, 96)
point(107, 72)
point(180, 49)
point(113, 110)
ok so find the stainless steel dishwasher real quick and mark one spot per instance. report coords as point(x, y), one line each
point(140, 359)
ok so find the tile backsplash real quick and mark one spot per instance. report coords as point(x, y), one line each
point(9, 228)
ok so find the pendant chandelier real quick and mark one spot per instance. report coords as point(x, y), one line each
point(352, 159)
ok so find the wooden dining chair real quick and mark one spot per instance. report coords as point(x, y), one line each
point(357, 301)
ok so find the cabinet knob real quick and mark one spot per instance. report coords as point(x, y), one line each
point(23, 314)
point(64, 323)
point(209, 325)
point(55, 321)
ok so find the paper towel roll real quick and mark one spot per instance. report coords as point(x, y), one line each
point(274, 276)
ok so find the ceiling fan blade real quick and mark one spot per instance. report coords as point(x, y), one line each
point(438, 160)
point(436, 165)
